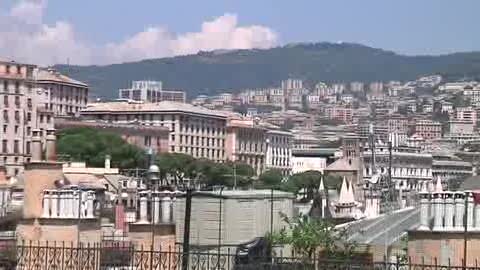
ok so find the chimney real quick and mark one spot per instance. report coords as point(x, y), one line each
point(107, 161)
point(36, 145)
point(424, 211)
point(449, 210)
point(459, 210)
point(51, 152)
point(438, 211)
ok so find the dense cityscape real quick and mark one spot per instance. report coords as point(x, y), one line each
point(301, 173)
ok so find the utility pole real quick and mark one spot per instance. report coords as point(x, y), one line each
point(465, 220)
point(271, 211)
point(186, 229)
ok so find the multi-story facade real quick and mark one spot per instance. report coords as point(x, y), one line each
point(22, 110)
point(466, 114)
point(291, 84)
point(64, 96)
point(279, 151)
point(339, 113)
point(259, 145)
point(357, 86)
point(246, 143)
point(195, 131)
point(427, 129)
point(147, 137)
point(151, 91)
point(408, 167)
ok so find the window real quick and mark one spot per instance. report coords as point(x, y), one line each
point(27, 148)
point(29, 117)
point(4, 128)
point(17, 88)
point(5, 116)
point(16, 148)
point(17, 101)
point(5, 101)
point(5, 86)
point(16, 129)
point(4, 146)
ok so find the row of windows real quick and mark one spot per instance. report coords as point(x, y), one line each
point(197, 140)
point(16, 147)
point(201, 152)
point(250, 147)
point(15, 87)
point(280, 161)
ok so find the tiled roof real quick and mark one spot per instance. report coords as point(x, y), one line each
point(54, 76)
point(163, 106)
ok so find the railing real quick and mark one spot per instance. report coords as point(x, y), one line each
point(125, 256)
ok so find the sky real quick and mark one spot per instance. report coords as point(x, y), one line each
point(47, 32)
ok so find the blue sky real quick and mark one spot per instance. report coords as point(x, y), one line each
point(407, 26)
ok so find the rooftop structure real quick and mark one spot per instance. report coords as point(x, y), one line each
point(151, 91)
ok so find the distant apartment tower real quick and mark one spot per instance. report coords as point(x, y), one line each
point(292, 84)
point(376, 87)
point(64, 96)
point(466, 114)
point(427, 129)
point(151, 91)
point(22, 111)
point(357, 86)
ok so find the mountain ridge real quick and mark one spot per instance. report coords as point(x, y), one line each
point(231, 70)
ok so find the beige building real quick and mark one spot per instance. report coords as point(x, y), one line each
point(195, 131)
point(427, 129)
point(144, 136)
point(259, 144)
point(279, 151)
point(246, 143)
point(22, 110)
point(63, 95)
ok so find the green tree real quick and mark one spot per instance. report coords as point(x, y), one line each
point(177, 165)
point(306, 235)
point(91, 146)
point(270, 179)
point(309, 180)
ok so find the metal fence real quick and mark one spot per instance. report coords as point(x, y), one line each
point(56, 256)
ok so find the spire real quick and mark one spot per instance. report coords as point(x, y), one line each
point(321, 188)
point(351, 197)
point(343, 192)
point(438, 185)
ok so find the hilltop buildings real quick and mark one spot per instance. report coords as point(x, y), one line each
point(150, 91)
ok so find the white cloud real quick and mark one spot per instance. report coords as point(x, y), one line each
point(24, 37)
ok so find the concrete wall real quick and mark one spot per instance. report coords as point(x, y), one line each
point(67, 231)
point(236, 228)
point(426, 246)
point(38, 177)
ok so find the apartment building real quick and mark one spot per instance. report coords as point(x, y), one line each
point(427, 129)
point(151, 91)
point(357, 86)
point(195, 131)
point(279, 151)
point(22, 110)
point(466, 114)
point(246, 142)
point(339, 113)
point(63, 96)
